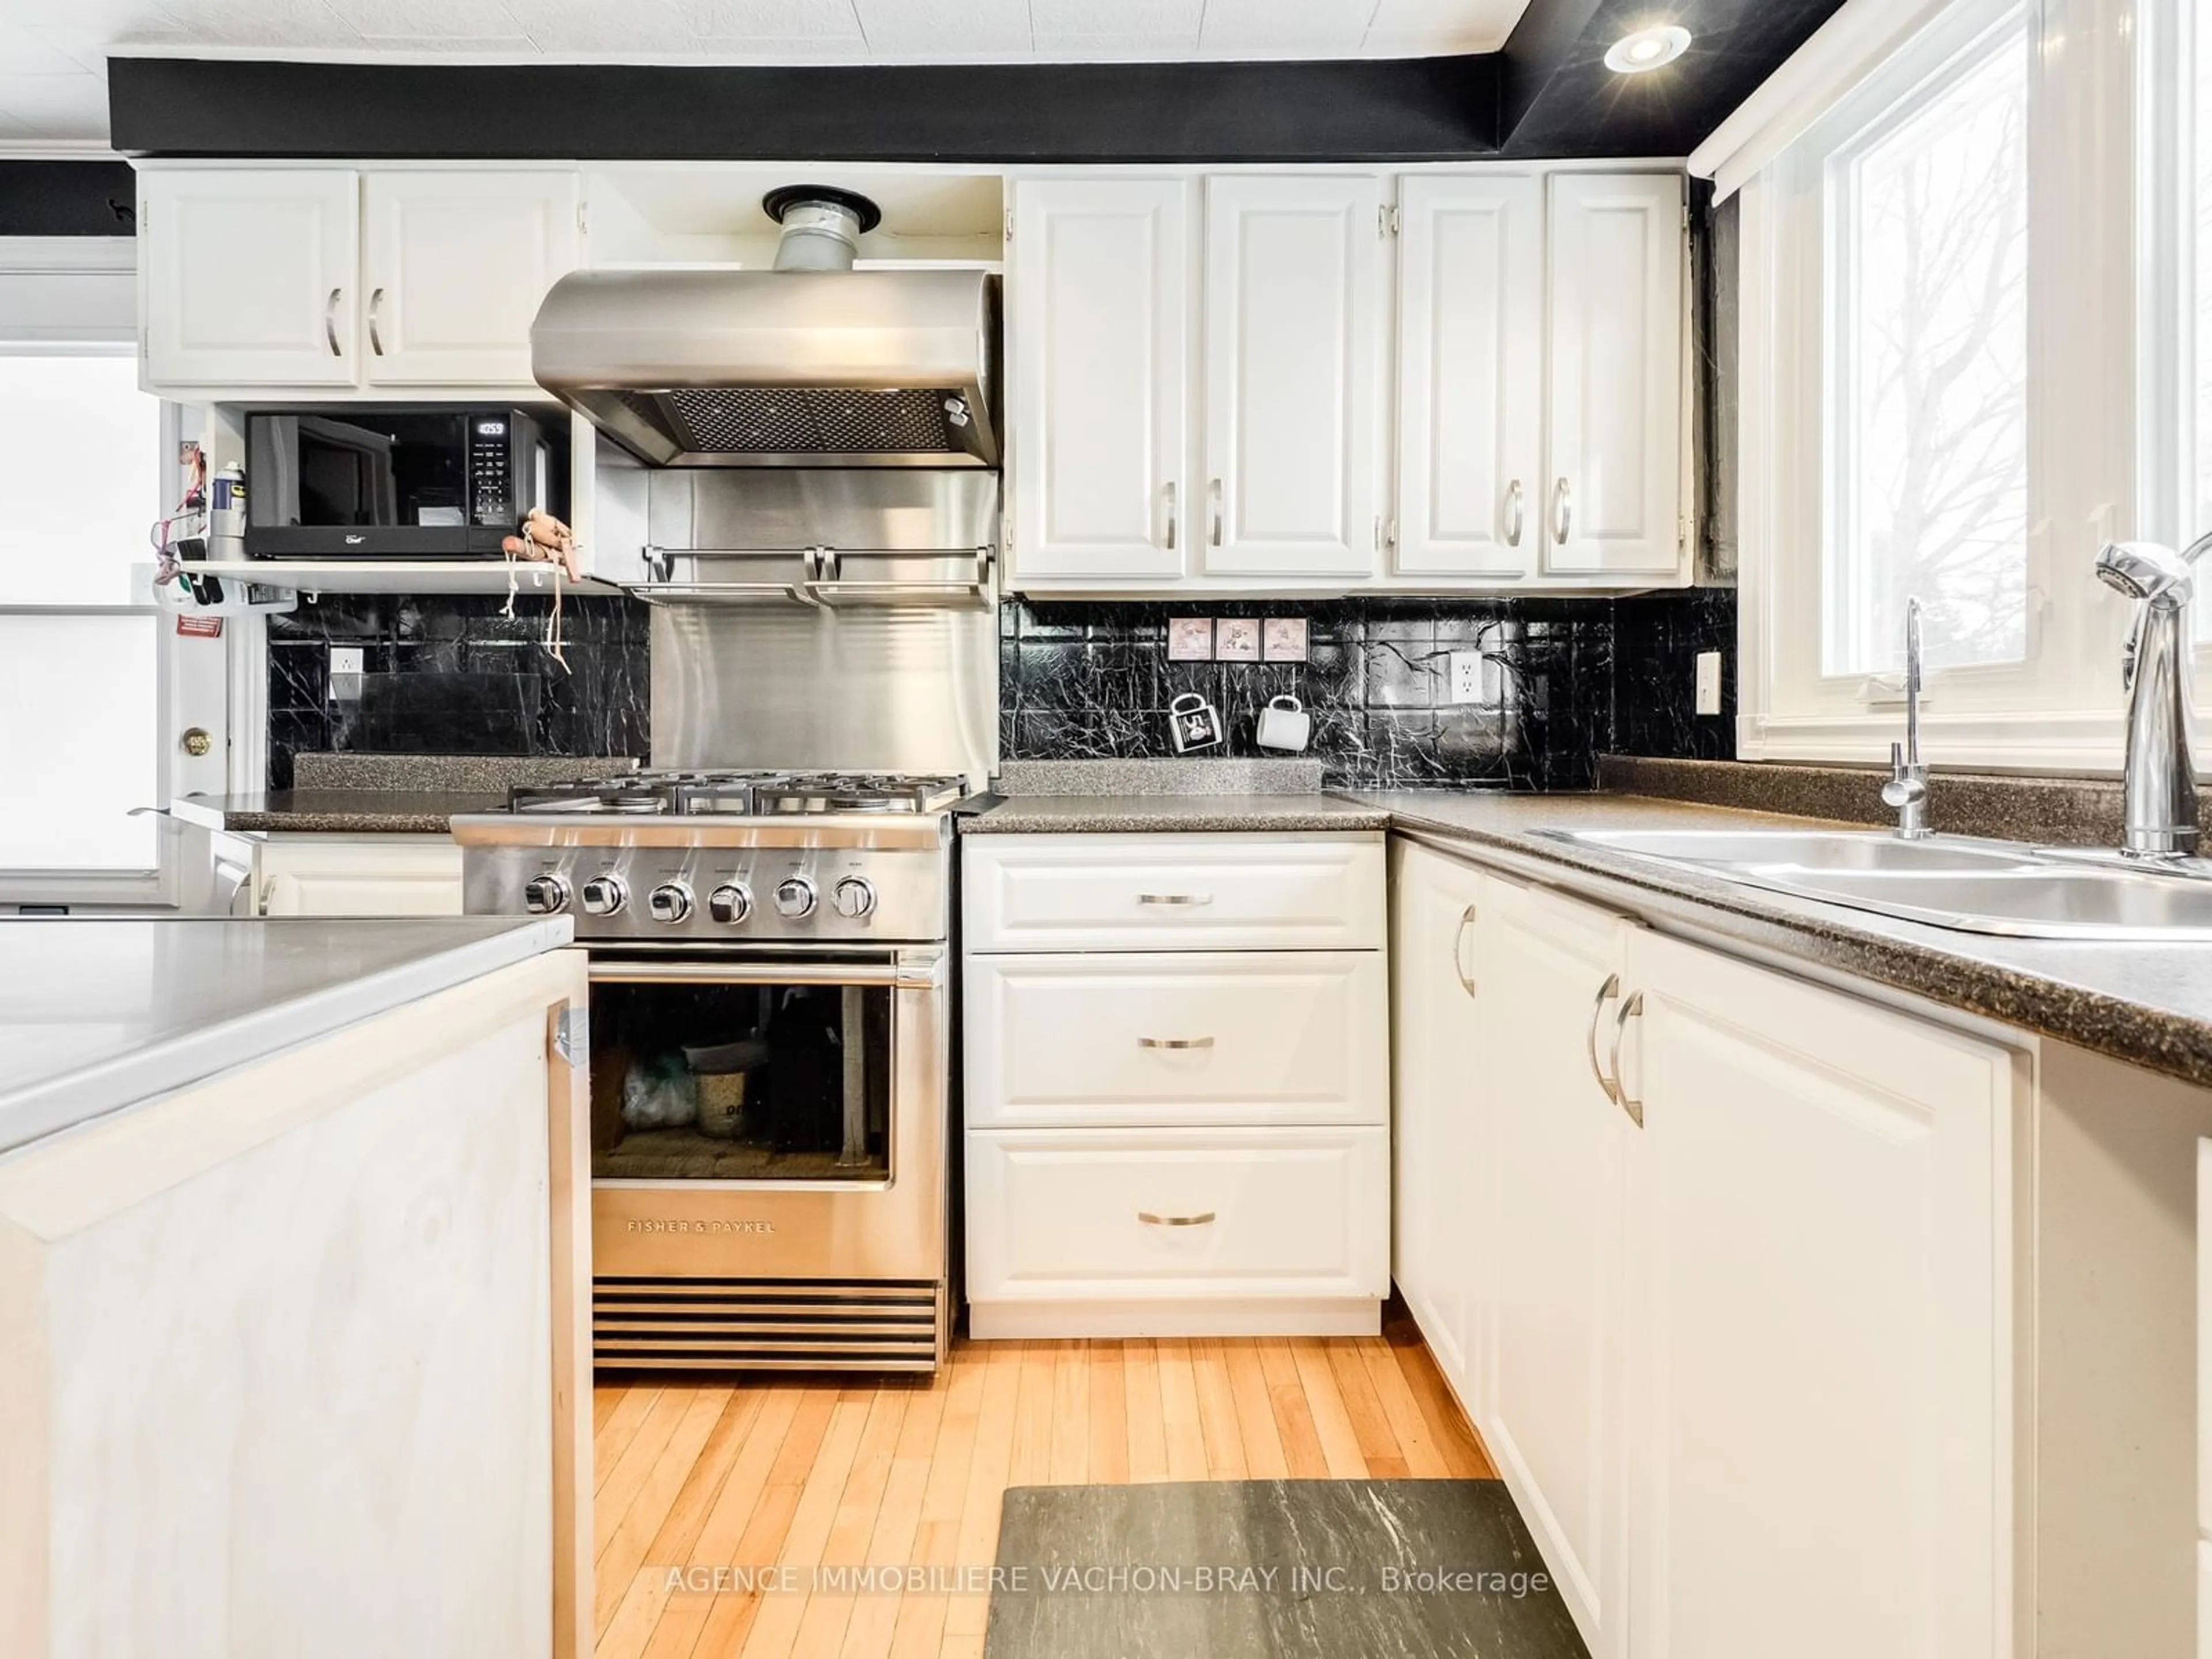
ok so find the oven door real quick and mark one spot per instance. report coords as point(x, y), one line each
point(769, 1116)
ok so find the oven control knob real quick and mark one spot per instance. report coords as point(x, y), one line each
point(730, 903)
point(669, 901)
point(854, 897)
point(795, 896)
point(604, 896)
point(544, 895)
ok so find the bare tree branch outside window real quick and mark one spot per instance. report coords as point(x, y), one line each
point(1929, 330)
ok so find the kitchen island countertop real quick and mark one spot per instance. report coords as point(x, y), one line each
point(99, 1012)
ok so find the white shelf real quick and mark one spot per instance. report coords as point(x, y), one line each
point(395, 576)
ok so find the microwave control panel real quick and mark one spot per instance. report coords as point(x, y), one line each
point(491, 466)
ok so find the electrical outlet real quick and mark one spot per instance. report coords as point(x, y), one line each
point(1709, 682)
point(347, 662)
point(1468, 670)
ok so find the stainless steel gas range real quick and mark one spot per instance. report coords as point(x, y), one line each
point(771, 1061)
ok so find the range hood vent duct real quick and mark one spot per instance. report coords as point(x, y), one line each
point(812, 363)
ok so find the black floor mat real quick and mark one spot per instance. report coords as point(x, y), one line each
point(1274, 1569)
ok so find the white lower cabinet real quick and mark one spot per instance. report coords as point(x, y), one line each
point(1437, 1106)
point(1823, 1363)
point(1166, 1136)
point(328, 876)
point(1554, 1184)
point(1722, 1265)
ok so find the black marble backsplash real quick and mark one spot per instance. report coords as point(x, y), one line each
point(451, 676)
point(1565, 681)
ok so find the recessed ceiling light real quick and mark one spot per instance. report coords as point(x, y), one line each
point(1647, 48)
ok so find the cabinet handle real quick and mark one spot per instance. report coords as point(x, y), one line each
point(1171, 515)
point(330, 322)
point(1213, 507)
point(375, 338)
point(1202, 1219)
point(1459, 940)
point(1175, 1042)
point(1516, 510)
point(1606, 992)
point(1627, 1101)
point(1563, 511)
point(1175, 898)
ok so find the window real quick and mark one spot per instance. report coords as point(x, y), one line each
point(1938, 308)
point(81, 666)
point(1927, 217)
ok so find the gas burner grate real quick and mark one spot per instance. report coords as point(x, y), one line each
point(740, 794)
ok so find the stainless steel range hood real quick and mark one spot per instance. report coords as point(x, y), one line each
point(811, 364)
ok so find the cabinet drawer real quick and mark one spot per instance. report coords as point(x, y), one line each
point(1195, 1039)
point(1172, 893)
point(1060, 1214)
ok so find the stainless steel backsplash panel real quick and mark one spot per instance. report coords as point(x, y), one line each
point(907, 690)
point(732, 510)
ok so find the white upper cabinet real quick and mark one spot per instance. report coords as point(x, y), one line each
point(1097, 297)
point(1470, 375)
point(1612, 504)
point(456, 265)
point(249, 278)
point(1290, 376)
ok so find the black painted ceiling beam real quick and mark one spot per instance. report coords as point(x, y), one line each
point(67, 198)
point(1558, 98)
point(1365, 110)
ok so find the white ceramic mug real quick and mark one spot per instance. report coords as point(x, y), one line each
point(1284, 724)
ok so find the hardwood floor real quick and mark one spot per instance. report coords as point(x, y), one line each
point(805, 1472)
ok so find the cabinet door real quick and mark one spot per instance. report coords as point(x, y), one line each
point(1824, 1381)
point(383, 877)
point(1555, 1395)
point(1291, 435)
point(1614, 501)
point(457, 263)
point(1470, 375)
point(1097, 297)
point(247, 279)
point(1435, 1105)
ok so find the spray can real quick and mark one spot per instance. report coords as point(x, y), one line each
point(227, 511)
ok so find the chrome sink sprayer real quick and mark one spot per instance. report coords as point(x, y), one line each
point(2159, 813)
point(1907, 788)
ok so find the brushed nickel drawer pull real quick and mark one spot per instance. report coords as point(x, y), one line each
point(1629, 1104)
point(1459, 944)
point(1606, 992)
point(330, 322)
point(1202, 1219)
point(1175, 1042)
point(1175, 898)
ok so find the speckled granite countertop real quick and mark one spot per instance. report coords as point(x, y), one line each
point(1080, 815)
point(2148, 1004)
point(337, 811)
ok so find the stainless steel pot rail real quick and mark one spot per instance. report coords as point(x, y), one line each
point(821, 580)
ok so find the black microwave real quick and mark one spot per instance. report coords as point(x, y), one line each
point(397, 481)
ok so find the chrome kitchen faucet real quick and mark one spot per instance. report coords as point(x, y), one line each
point(1907, 788)
point(2159, 811)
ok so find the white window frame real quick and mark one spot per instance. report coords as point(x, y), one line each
point(76, 296)
point(2060, 710)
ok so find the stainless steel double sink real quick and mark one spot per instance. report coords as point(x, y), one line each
point(1944, 881)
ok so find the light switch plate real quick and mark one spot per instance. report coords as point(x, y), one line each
point(1709, 682)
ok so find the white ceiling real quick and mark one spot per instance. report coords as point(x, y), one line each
point(53, 53)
